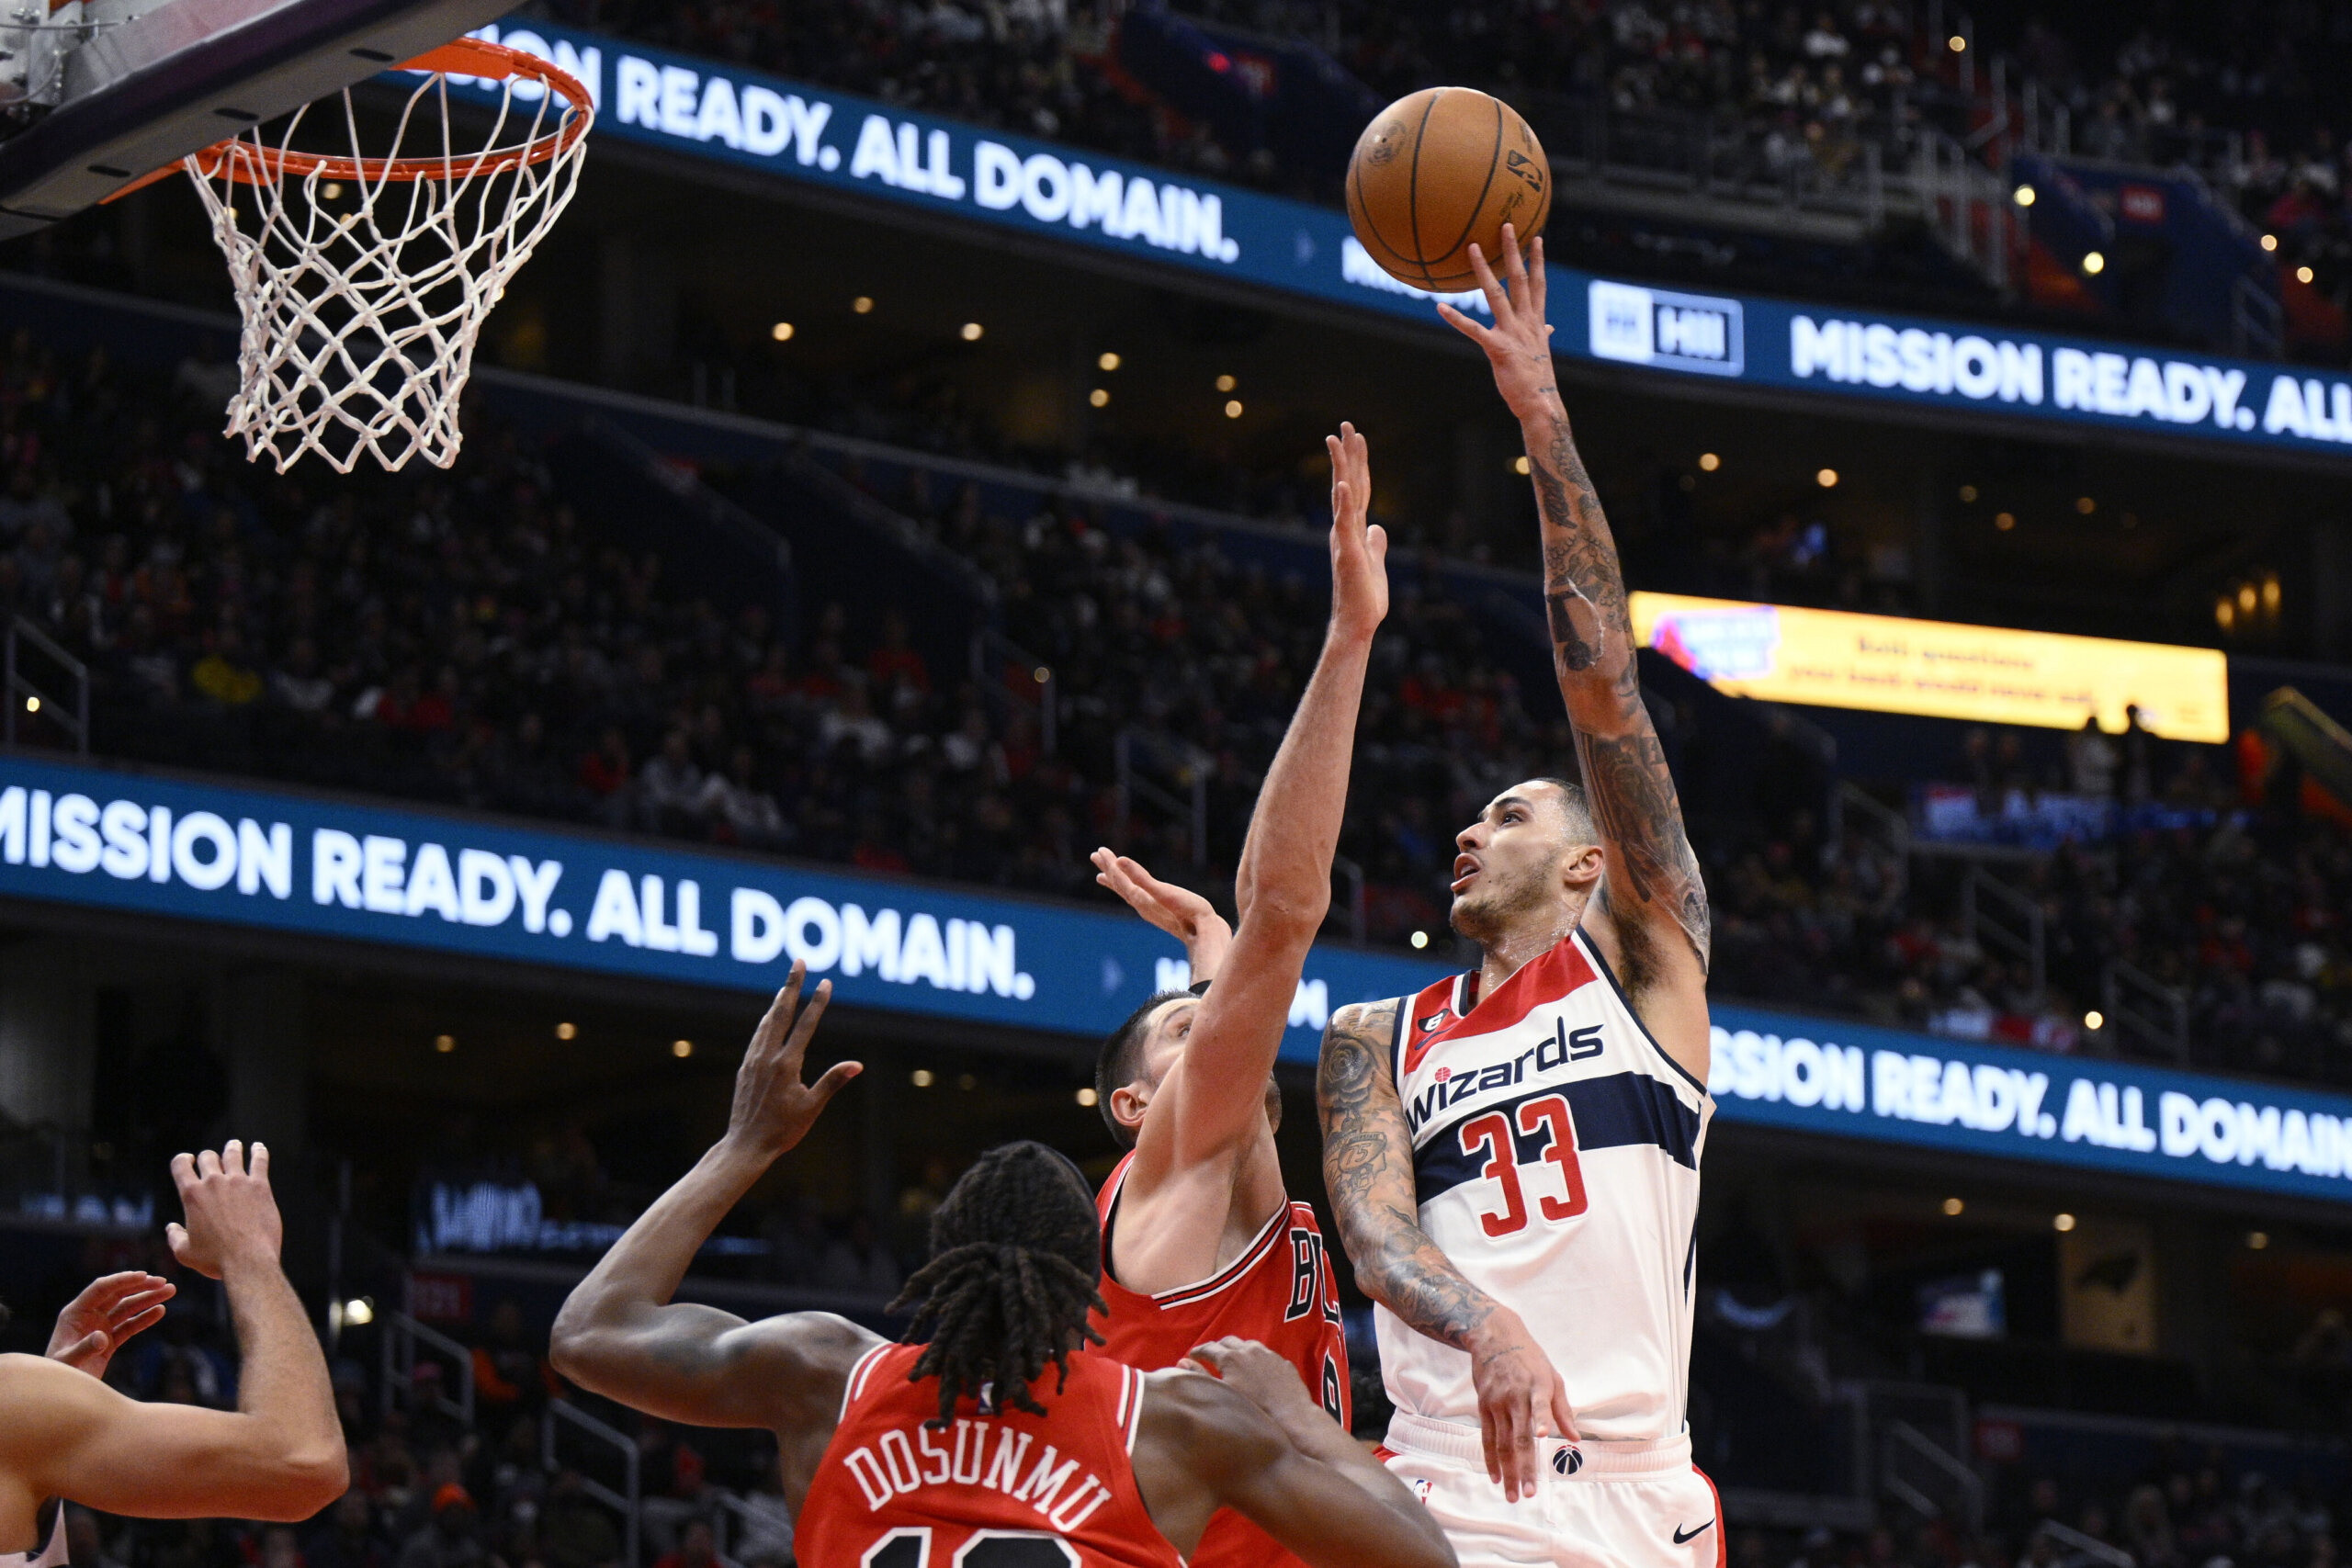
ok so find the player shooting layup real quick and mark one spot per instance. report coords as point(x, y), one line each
point(1513, 1154)
point(1200, 1240)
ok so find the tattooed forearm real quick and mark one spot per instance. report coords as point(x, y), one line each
point(1368, 1169)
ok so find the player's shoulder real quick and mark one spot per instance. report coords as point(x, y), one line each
point(47, 1400)
point(1202, 1423)
point(1365, 1022)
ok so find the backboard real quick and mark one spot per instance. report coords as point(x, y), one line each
point(114, 89)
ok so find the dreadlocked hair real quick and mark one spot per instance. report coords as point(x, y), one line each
point(1016, 1258)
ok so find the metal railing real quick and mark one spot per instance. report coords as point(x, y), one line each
point(28, 696)
point(2085, 1547)
point(1852, 801)
point(1191, 775)
point(2028, 939)
point(1967, 206)
point(625, 1500)
point(736, 1519)
point(2146, 1009)
point(1347, 872)
point(993, 654)
point(1927, 1478)
point(403, 1336)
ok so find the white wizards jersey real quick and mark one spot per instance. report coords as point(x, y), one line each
point(1555, 1160)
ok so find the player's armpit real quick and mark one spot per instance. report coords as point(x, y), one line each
point(69, 1435)
point(1653, 892)
point(1368, 1171)
point(1203, 1447)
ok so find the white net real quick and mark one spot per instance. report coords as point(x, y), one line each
point(364, 281)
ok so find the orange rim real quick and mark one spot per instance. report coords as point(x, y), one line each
point(255, 164)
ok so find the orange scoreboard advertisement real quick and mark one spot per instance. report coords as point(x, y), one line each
point(1890, 664)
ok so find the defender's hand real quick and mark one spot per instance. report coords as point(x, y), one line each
point(99, 1321)
point(1519, 346)
point(1358, 551)
point(1181, 912)
point(1265, 1378)
point(773, 1109)
point(1520, 1398)
point(232, 1216)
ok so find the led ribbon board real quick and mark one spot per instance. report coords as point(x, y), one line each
point(838, 142)
point(1892, 664)
point(267, 860)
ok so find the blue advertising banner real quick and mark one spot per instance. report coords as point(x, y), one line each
point(269, 860)
point(845, 143)
point(274, 861)
point(1853, 1080)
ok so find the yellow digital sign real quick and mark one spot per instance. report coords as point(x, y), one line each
point(1889, 664)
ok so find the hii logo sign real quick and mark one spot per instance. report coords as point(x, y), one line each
point(1666, 331)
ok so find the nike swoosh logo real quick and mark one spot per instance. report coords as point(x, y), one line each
point(1682, 1537)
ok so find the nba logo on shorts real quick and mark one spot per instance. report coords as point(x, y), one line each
point(1568, 1460)
point(1422, 1487)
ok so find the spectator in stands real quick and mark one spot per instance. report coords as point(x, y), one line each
point(453, 1539)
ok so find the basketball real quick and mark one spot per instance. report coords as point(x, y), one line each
point(1438, 171)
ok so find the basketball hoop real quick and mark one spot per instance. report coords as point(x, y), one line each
point(363, 281)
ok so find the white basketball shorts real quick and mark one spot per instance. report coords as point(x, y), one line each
point(1628, 1505)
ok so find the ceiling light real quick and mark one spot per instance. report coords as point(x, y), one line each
point(1108, 361)
point(2094, 264)
point(330, 190)
point(1521, 466)
point(1226, 383)
point(566, 1031)
point(921, 1077)
point(2062, 1222)
point(2257, 1239)
point(2302, 274)
point(1826, 478)
point(1421, 939)
point(1957, 44)
point(2245, 597)
point(1953, 1205)
point(2005, 521)
point(358, 1312)
point(682, 1049)
point(1087, 1096)
point(2024, 195)
point(2270, 242)
point(1968, 492)
point(863, 304)
point(1710, 462)
point(1233, 408)
point(2094, 1019)
point(2086, 505)
point(972, 331)
point(445, 1043)
point(781, 332)
point(1099, 397)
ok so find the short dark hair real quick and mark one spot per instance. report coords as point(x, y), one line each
point(1016, 1264)
point(1120, 1061)
point(1577, 808)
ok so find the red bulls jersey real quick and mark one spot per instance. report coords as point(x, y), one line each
point(1002, 1489)
point(1280, 1291)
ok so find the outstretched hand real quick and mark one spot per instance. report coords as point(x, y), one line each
point(1359, 549)
point(774, 1109)
point(1519, 346)
point(231, 1214)
point(104, 1317)
point(1181, 912)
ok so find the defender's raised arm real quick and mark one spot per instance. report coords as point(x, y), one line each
point(1657, 923)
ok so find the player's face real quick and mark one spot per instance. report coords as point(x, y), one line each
point(1508, 861)
point(1167, 1038)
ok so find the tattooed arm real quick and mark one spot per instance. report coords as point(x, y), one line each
point(1368, 1170)
point(1652, 897)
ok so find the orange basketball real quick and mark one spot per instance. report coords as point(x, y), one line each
point(1438, 170)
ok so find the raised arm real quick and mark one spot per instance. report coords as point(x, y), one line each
point(1654, 898)
point(1251, 1439)
point(1368, 1171)
point(1213, 1100)
point(279, 1455)
point(621, 1336)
